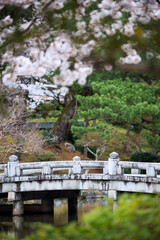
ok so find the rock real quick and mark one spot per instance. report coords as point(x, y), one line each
point(70, 147)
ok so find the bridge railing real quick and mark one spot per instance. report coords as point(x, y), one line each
point(117, 167)
point(14, 168)
point(111, 167)
point(59, 167)
point(140, 168)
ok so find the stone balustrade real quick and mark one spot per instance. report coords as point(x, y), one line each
point(19, 180)
point(111, 167)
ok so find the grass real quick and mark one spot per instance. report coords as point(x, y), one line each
point(43, 120)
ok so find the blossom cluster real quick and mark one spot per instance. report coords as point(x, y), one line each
point(56, 48)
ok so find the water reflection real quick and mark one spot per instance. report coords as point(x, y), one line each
point(18, 226)
point(22, 226)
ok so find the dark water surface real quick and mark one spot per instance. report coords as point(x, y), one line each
point(22, 226)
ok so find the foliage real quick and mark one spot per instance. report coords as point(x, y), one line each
point(153, 137)
point(3, 236)
point(38, 120)
point(26, 142)
point(124, 102)
point(135, 217)
point(97, 34)
point(48, 137)
point(131, 105)
point(14, 137)
point(70, 137)
point(144, 157)
point(80, 148)
point(45, 156)
point(47, 109)
point(116, 143)
point(102, 75)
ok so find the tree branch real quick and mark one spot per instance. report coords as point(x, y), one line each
point(35, 18)
point(158, 1)
point(12, 39)
point(91, 151)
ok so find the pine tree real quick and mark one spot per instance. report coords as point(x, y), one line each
point(131, 105)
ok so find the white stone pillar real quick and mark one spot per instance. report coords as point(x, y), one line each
point(13, 170)
point(113, 167)
point(150, 171)
point(11, 196)
point(12, 166)
point(18, 208)
point(18, 226)
point(46, 170)
point(76, 165)
point(112, 194)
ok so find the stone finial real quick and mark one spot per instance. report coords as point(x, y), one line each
point(13, 158)
point(76, 159)
point(76, 165)
point(113, 163)
point(114, 155)
point(12, 167)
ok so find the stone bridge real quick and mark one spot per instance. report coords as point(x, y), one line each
point(65, 179)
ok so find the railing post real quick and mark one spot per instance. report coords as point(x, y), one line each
point(46, 170)
point(76, 165)
point(112, 194)
point(12, 166)
point(13, 170)
point(6, 171)
point(113, 167)
point(150, 171)
point(105, 168)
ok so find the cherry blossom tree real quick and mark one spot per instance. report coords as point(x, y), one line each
point(70, 38)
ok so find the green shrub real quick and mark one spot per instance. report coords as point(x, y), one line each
point(46, 109)
point(8, 236)
point(134, 218)
point(144, 157)
point(45, 156)
point(49, 137)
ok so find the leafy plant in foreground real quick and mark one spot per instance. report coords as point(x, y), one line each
point(135, 217)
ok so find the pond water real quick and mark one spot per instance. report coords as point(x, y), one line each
point(22, 226)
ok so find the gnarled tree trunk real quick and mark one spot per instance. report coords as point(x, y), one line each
point(63, 126)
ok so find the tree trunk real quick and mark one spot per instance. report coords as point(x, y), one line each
point(94, 124)
point(86, 124)
point(63, 126)
point(126, 144)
